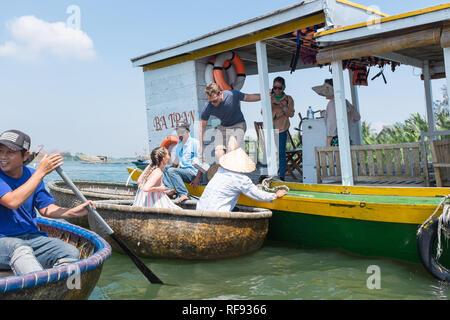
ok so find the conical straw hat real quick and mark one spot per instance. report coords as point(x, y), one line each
point(237, 161)
point(325, 90)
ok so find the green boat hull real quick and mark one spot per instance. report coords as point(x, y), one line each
point(366, 238)
point(366, 221)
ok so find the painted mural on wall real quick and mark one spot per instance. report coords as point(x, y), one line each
point(169, 121)
point(162, 123)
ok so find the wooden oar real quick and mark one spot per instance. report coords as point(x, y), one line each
point(141, 266)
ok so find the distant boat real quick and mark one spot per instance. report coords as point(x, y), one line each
point(88, 159)
point(141, 164)
point(85, 158)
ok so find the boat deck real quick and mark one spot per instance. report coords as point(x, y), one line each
point(255, 175)
point(333, 195)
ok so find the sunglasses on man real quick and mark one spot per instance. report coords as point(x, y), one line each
point(216, 100)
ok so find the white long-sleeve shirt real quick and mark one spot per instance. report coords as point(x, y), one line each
point(222, 192)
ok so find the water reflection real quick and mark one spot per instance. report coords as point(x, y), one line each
point(274, 272)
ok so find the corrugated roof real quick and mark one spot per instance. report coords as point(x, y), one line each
point(384, 20)
point(224, 29)
point(255, 29)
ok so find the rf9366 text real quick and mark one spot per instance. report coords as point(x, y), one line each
point(246, 309)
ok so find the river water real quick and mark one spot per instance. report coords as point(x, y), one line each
point(276, 271)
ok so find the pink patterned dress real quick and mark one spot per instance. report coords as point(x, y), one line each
point(155, 199)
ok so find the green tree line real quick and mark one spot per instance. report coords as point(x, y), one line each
point(410, 129)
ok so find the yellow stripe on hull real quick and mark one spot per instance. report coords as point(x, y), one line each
point(379, 190)
point(360, 210)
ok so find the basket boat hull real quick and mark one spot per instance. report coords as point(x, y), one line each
point(183, 234)
point(60, 283)
point(92, 190)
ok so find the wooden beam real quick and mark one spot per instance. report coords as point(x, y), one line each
point(445, 37)
point(240, 42)
point(393, 56)
point(434, 76)
point(379, 45)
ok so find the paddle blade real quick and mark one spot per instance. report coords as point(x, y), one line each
point(141, 266)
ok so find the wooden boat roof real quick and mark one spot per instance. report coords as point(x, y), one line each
point(274, 28)
point(409, 38)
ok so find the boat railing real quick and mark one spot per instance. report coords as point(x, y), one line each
point(380, 163)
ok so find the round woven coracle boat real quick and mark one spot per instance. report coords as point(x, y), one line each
point(92, 190)
point(184, 233)
point(74, 281)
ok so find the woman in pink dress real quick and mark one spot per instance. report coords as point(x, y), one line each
point(152, 193)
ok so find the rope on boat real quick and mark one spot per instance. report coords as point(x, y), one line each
point(266, 185)
point(443, 223)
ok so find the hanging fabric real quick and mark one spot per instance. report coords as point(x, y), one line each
point(360, 75)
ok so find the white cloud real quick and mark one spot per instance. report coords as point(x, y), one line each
point(8, 49)
point(33, 37)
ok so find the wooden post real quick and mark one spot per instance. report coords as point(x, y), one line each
point(447, 65)
point(342, 124)
point(269, 147)
point(428, 96)
point(355, 102)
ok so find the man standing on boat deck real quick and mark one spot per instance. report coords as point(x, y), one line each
point(24, 248)
point(326, 90)
point(230, 181)
point(183, 170)
point(225, 105)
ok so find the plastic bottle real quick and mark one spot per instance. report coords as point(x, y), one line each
point(309, 113)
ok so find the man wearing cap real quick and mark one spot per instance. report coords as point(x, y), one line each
point(24, 248)
point(230, 181)
point(183, 170)
point(225, 105)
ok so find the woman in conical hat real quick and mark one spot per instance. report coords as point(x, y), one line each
point(230, 181)
point(326, 90)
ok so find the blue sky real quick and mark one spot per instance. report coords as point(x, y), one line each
point(85, 96)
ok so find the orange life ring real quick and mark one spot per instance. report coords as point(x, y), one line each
point(170, 140)
point(227, 65)
point(240, 72)
point(218, 71)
